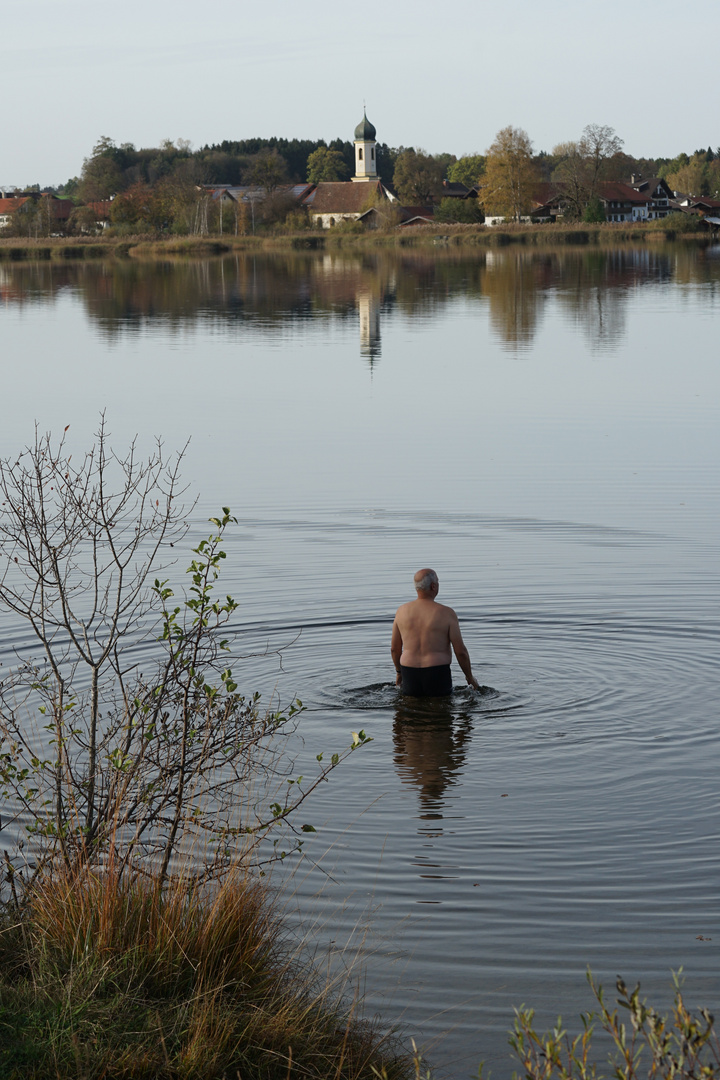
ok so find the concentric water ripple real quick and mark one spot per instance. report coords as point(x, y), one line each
point(542, 428)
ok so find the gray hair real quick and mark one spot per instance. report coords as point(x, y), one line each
point(426, 581)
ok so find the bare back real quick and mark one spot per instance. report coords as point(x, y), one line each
point(427, 631)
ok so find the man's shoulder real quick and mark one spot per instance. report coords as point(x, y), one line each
point(448, 612)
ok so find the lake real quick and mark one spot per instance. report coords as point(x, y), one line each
point(542, 428)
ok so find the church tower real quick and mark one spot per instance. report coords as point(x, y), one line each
point(365, 151)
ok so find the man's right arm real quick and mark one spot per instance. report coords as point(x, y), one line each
point(461, 654)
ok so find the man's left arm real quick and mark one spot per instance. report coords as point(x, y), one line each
point(396, 647)
point(461, 654)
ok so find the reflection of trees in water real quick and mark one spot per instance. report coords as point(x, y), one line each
point(596, 286)
point(430, 750)
point(515, 285)
point(27, 282)
point(268, 291)
point(592, 286)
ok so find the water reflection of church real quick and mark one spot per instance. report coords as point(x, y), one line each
point(369, 310)
point(361, 288)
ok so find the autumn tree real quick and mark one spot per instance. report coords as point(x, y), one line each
point(84, 219)
point(510, 175)
point(389, 212)
point(598, 144)
point(582, 165)
point(696, 175)
point(101, 172)
point(466, 170)
point(418, 177)
point(133, 207)
point(460, 211)
point(571, 176)
point(268, 171)
point(326, 165)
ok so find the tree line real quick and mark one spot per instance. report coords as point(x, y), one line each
point(164, 189)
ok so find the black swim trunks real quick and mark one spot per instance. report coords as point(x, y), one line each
point(426, 681)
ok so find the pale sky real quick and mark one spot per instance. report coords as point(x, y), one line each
point(443, 79)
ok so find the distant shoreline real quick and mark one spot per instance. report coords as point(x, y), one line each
point(426, 237)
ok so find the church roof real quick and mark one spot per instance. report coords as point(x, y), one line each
point(342, 197)
point(365, 129)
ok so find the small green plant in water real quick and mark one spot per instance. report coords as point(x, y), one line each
point(645, 1043)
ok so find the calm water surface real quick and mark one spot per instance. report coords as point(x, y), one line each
point(542, 428)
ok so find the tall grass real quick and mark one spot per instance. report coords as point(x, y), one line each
point(110, 976)
point(472, 236)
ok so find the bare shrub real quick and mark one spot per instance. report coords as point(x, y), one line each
point(102, 760)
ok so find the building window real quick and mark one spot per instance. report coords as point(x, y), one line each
point(360, 153)
point(372, 153)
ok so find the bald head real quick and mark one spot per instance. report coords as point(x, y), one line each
point(426, 581)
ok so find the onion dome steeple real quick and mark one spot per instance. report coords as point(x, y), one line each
point(365, 129)
point(365, 161)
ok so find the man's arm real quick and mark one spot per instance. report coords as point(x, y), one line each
point(396, 651)
point(461, 654)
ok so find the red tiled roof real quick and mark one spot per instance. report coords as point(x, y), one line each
point(418, 219)
point(60, 209)
point(101, 209)
point(650, 185)
point(608, 190)
point(703, 200)
point(616, 191)
point(418, 211)
point(545, 193)
point(344, 197)
point(9, 206)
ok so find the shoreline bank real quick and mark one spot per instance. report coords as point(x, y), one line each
point(424, 237)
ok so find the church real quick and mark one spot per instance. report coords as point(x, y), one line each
point(333, 202)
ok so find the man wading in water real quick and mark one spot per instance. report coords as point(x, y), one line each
point(422, 636)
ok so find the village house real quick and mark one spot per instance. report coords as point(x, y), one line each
point(639, 200)
point(99, 215)
point(364, 198)
point(55, 212)
point(9, 206)
point(699, 204)
point(332, 202)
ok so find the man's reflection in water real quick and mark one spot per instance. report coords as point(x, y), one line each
point(430, 738)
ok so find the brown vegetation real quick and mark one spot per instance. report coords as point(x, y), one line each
point(105, 975)
point(685, 228)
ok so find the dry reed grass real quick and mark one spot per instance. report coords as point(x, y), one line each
point(108, 976)
point(472, 236)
